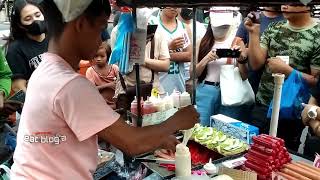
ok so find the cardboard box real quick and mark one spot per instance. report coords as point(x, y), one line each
point(238, 174)
point(234, 128)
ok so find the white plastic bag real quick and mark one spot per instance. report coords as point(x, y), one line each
point(234, 91)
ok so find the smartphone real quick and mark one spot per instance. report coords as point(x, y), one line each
point(151, 29)
point(18, 97)
point(228, 53)
point(255, 17)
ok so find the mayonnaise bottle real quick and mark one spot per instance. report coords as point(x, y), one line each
point(182, 161)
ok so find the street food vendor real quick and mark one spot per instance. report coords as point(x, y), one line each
point(64, 113)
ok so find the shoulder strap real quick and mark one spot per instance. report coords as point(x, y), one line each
point(123, 84)
point(152, 57)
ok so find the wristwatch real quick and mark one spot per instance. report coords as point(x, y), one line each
point(312, 113)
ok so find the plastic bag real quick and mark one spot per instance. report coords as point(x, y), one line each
point(120, 53)
point(10, 141)
point(295, 91)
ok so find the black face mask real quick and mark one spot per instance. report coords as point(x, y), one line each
point(36, 28)
point(186, 14)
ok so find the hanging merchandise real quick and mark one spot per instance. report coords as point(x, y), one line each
point(139, 36)
point(234, 90)
point(294, 92)
point(120, 53)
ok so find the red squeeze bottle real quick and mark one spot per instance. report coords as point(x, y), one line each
point(148, 107)
point(134, 106)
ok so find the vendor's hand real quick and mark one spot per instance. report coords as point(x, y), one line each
point(277, 65)
point(252, 27)
point(176, 43)
point(170, 143)
point(211, 56)
point(186, 118)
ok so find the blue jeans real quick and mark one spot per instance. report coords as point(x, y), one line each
point(208, 101)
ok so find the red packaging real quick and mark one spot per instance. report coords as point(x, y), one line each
point(257, 168)
point(264, 142)
point(261, 155)
point(264, 149)
point(281, 141)
point(257, 160)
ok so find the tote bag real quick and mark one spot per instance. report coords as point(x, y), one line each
point(234, 90)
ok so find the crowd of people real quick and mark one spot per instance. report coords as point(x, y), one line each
point(47, 42)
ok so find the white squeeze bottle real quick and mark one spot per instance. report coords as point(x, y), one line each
point(182, 161)
point(159, 105)
point(176, 98)
point(185, 99)
point(168, 102)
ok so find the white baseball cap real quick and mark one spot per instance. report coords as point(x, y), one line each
point(220, 16)
point(71, 9)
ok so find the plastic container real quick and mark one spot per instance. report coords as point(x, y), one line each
point(183, 161)
point(210, 168)
point(134, 109)
point(159, 104)
point(168, 102)
point(185, 99)
point(176, 98)
point(148, 107)
point(134, 106)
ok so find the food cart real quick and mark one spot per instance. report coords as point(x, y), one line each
point(148, 160)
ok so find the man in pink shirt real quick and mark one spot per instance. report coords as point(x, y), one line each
point(64, 113)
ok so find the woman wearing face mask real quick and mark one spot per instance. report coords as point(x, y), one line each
point(27, 41)
point(209, 66)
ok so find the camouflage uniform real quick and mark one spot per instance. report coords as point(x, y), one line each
point(303, 47)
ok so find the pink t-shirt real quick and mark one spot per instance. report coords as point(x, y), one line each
point(62, 114)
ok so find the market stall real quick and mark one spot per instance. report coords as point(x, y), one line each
point(253, 157)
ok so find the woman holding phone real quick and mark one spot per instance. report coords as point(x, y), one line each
point(209, 65)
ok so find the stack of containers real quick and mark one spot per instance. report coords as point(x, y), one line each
point(267, 154)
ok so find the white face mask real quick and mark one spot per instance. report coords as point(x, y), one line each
point(220, 31)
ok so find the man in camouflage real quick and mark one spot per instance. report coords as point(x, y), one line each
point(298, 38)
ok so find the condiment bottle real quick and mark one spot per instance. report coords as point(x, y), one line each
point(185, 99)
point(159, 104)
point(168, 102)
point(148, 107)
point(176, 98)
point(134, 106)
point(182, 161)
point(210, 168)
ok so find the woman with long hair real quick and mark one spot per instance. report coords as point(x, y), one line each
point(218, 36)
point(27, 41)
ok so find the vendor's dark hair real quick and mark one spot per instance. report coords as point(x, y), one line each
point(16, 32)
point(55, 20)
point(206, 45)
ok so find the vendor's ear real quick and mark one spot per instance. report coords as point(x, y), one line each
point(80, 23)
